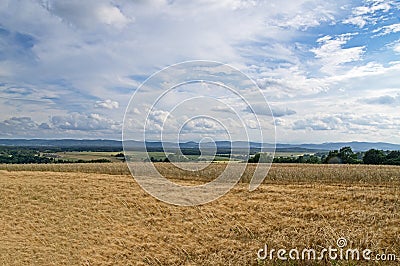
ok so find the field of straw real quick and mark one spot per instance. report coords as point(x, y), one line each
point(96, 214)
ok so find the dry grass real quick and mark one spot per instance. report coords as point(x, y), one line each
point(99, 168)
point(278, 174)
point(77, 218)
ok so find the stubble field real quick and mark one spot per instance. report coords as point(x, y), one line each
point(96, 214)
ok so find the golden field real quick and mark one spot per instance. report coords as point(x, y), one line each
point(96, 214)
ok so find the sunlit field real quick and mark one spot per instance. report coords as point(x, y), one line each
point(96, 214)
point(279, 173)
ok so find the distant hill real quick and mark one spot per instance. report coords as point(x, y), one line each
point(222, 146)
point(59, 142)
point(355, 145)
point(64, 144)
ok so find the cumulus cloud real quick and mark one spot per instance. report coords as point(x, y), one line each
point(21, 123)
point(21, 127)
point(111, 15)
point(280, 111)
point(44, 126)
point(383, 100)
point(60, 126)
point(80, 60)
point(264, 109)
point(314, 123)
point(201, 125)
point(84, 122)
point(347, 122)
point(88, 14)
point(107, 104)
point(158, 116)
point(157, 120)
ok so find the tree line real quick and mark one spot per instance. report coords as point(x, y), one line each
point(29, 156)
point(344, 155)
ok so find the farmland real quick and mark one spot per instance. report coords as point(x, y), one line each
point(87, 156)
point(96, 214)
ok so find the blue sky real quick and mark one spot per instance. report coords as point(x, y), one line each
point(329, 69)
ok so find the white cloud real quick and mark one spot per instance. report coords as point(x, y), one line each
point(332, 54)
point(307, 18)
point(223, 109)
point(384, 100)
point(88, 14)
point(60, 126)
point(63, 56)
point(107, 104)
point(358, 21)
point(317, 123)
point(112, 15)
point(263, 109)
point(280, 111)
point(157, 121)
point(369, 70)
point(19, 126)
point(231, 4)
point(346, 122)
point(158, 116)
point(201, 125)
point(363, 15)
point(84, 122)
point(396, 47)
point(376, 6)
point(393, 28)
point(283, 83)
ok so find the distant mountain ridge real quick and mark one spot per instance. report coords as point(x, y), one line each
point(355, 145)
point(116, 144)
point(59, 142)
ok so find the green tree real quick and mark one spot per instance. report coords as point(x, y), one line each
point(393, 158)
point(313, 159)
point(344, 155)
point(393, 155)
point(347, 155)
point(255, 158)
point(333, 157)
point(261, 158)
point(373, 156)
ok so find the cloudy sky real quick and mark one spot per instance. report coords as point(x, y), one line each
point(330, 70)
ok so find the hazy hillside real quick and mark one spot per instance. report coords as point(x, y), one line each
point(221, 145)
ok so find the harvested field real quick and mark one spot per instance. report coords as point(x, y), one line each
point(279, 173)
point(85, 217)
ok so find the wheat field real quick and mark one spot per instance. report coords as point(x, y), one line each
point(96, 214)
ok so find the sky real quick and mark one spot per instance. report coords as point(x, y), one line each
point(329, 70)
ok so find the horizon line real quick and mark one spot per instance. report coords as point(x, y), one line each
point(119, 140)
